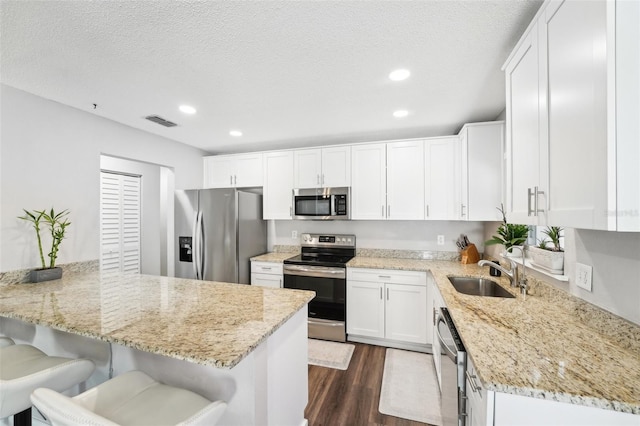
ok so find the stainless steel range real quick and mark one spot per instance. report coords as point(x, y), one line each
point(322, 267)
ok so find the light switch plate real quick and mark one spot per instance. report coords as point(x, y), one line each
point(440, 240)
point(294, 234)
point(584, 276)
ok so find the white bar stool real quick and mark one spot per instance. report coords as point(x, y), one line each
point(5, 341)
point(132, 398)
point(24, 368)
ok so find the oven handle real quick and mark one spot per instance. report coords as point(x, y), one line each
point(315, 271)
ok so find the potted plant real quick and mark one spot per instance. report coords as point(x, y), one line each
point(509, 234)
point(549, 257)
point(57, 224)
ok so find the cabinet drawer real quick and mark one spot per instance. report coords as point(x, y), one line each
point(266, 268)
point(387, 276)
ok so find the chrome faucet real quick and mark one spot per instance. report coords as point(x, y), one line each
point(513, 274)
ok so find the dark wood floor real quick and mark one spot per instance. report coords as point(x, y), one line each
point(350, 397)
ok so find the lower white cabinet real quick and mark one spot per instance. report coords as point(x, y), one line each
point(266, 274)
point(387, 304)
point(478, 399)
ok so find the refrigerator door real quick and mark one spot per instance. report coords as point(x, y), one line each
point(219, 225)
point(252, 233)
point(185, 212)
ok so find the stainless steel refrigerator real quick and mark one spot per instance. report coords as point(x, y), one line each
point(217, 231)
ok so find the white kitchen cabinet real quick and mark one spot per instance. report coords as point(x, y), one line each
point(267, 274)
point(478, 399)
point(233, 171)
point(369, 181)
point(573, 99)
point(322, 167)
point(481, 150)
point(405, 180)
point(442, 186)
point(387, 305)
point(278, 185)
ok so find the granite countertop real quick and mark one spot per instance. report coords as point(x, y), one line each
point(550, 345)
point(272, 257)
point(204, 322)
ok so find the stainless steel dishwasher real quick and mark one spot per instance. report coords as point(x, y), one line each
point(453, 368)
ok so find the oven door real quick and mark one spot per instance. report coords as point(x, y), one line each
point(327, 309)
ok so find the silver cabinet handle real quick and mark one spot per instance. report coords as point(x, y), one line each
point(230, 180)
point(427, 209)
point(382, 211)
point(266, 268)
point(472, 381)
point(388, 210)
point(535, 194)
point(318, 179)
point(380, 293)
point(462, 213)
point(323, 178)
point(290, 211)
point(387, 294)
point(529, 195)
point(235, 179)
point(385, 276)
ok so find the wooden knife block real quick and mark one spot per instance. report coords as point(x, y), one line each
point(469, 254)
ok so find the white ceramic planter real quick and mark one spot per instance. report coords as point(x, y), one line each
point(550, 261)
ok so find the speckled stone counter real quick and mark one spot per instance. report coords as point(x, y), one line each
point(208, 323)
point(551, 345)
point(272, 257)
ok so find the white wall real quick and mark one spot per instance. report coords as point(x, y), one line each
point(378, 234)
point(51, 157)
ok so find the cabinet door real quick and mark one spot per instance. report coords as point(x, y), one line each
point(405, 180)
point(406, 313)
point(484, 157)
point(369, 181)
point(307, 168)
point(365, 308)
point(441, 162)
point(247, 170)
point(218, 172)
point(278, 185)
point(574, 163)
point(522, 136)
point(266, 280)
point(336, 166)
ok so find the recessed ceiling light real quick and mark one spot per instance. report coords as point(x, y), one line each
point(235, 133)
point(400, 113)
point(399, 75)
point(187, 109)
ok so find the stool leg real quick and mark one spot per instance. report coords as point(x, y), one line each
point(23, 418)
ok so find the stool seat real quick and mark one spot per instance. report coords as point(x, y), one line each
point(132, 398)
point(5, 341)
point(24, 368)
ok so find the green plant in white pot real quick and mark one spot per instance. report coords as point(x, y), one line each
point(508, 234)
point(57, 224)
point(549, 255)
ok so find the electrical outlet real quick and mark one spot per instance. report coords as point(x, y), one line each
point(294, 234)
point(440, 240)
point(584, 276)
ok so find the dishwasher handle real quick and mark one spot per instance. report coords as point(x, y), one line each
point(450, 354)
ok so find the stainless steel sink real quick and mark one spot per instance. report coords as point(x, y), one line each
point(479, 287)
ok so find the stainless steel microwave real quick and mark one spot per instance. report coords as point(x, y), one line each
point(322, 203)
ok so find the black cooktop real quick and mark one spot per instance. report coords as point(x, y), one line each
point(319, 260)
point(325, 250)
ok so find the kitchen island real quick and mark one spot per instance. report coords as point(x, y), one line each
point(218, 339)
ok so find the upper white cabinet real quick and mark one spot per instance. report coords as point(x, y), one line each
point(442, 185)
point(369, 181)
point(278, 185)
point(481, 146)
point(233, 171)
point(405, 180)
point(572, 111)
point(322, 167)
point(388, 181)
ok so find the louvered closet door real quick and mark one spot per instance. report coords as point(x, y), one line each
point(119, 222)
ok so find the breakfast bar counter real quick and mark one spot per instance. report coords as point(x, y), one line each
point(230, 333)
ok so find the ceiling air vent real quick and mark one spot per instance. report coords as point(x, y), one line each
point(161, 121)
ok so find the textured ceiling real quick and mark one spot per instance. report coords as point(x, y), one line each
point(286, 74)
